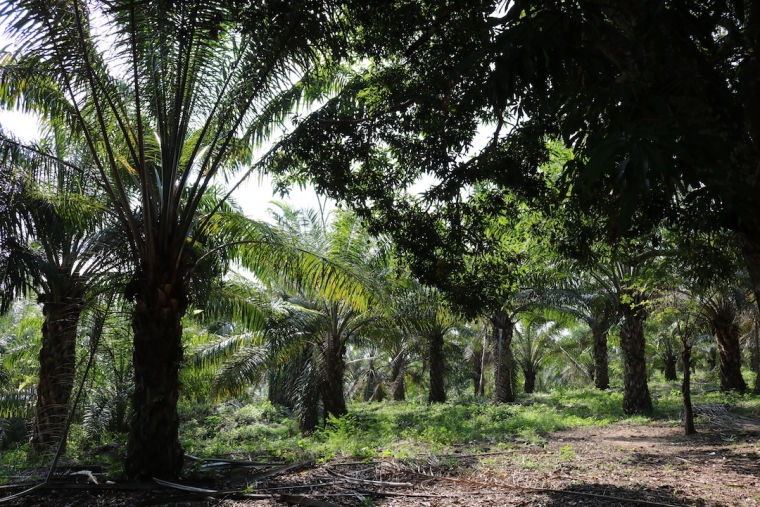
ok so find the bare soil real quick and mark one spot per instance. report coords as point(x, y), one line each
point(618, 465)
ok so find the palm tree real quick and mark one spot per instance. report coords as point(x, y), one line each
point(60, 250)
point(721, 313)
point(190, 89)
point(304, 342)
point(423, 311)
point(334, 323)
point(750, 325)
point(666, 344)
point(618, 278)
point(593, 305)
point(532, 348)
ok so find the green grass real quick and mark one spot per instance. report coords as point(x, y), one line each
point(400, 430)
point(404, 430)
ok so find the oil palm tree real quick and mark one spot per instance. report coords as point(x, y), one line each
point(334, 323)
point(533, 340)
point(301, 348)
point(60, 249)
point(591, 303)
point(720, 311)
point(423, 311)
point(168, 96)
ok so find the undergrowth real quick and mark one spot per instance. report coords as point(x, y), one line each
point(389, 429)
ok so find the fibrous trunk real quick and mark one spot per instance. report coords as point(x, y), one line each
point(397, 371)
point(750, 245)
point(636, 397)
point(153, 447)
point(754, 350)
point(727, 335)
point(670, 367)
point(57, 364)
point(335, 366)
point(307, 384)
point(477, 372)
point(503, 330)
point(686, 388)
point(601, 366)
point(437, 366)
point(530, 380)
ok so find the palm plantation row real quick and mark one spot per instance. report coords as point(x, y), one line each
point(312, 352)
point(154, 112)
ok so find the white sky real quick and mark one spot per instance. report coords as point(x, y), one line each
point(253, 196)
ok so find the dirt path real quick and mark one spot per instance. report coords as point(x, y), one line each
point(655, 463)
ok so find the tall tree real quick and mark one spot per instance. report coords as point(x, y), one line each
point(59, 248)
point(721, 313)
point(532, 347)
point(424, 311)
point(307, 339)
point(168, 96)
point(582, 299)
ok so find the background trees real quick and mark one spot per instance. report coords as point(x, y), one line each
point(193, 87)
point(548, 132)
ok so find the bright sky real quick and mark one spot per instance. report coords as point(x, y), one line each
point(254, 196)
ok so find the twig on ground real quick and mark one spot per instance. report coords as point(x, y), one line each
point(367, 481)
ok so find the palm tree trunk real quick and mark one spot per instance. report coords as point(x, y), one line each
point(636, 397)
point(530, 381)
point(750, 245)
point(153, 447)
point(437, 366)
point(727, 335)
point(686, 387)
point(397, 371)
point(335, 367)
point(57, 365)
point(503, 329)
point(754, 350)
point(477, 373)
point(601, 365)
point(309, 381)
point(670, 366)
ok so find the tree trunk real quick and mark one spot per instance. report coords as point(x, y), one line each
point(686, 388)
point(335, 366)
point(636, 397)
point(727, 336)
point(755, 357)
point(750, 245)
point(530, 381)
point(309, 387)
point(57, 365)
point(477, 373)
point(398, 371)
point(503, 329)
point(670, 367)
point(437, 367)
point(601, 365)
point(153, 447)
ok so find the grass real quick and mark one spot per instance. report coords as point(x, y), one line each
point(407, 430)
point(399, 430)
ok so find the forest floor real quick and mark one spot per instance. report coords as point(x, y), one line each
point(621, 464)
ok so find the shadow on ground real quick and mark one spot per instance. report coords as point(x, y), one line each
point(607, 495)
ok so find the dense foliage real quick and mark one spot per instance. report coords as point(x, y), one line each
point(590, 212)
